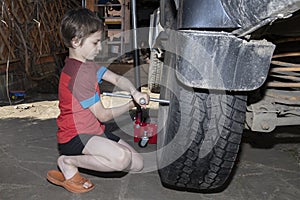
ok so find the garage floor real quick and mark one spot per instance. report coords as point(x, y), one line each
point(268, 166)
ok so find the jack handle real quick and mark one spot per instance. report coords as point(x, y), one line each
point(142, 100)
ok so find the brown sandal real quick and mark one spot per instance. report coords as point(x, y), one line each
point(76, 184)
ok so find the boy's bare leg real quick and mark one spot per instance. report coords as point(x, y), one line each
point(102, 154)
point(137, 163)
point(136, 160)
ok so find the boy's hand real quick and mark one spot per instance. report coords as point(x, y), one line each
point(141, 98)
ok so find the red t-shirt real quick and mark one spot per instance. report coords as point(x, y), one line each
point(78, 90)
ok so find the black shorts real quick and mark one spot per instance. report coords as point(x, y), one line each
point(75, 146)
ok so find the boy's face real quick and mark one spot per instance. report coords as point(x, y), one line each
point(90, 46)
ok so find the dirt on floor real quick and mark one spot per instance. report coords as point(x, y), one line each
point(40, 107)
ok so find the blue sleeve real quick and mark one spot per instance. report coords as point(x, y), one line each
point(100, 73)
point(85, 88)
point(91, 101)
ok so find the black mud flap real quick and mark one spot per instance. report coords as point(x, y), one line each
point(219, 60)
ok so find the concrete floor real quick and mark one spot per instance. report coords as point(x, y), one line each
point(267, 168)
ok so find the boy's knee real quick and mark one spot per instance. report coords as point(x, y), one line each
point(123, 161)
point(138, 166)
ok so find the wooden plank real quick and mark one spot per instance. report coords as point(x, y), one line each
point(6, 42)
point(90, 4)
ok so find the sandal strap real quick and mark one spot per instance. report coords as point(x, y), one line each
point(78, 179)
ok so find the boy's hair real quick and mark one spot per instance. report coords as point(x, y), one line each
point(79, 24)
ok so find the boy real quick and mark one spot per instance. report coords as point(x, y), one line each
point(81, 136)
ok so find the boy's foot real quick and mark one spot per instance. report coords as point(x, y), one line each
point(76, 184)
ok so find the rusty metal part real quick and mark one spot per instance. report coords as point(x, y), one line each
point(285, 97)
point(285, 73)
point(280, 105)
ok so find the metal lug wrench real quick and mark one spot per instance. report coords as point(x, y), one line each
point(142, 101)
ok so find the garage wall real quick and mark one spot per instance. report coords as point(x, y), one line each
point(30, 43)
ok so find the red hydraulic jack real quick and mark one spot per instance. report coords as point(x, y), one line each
point(144, 133)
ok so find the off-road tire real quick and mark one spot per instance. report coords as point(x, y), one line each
point(200, 135)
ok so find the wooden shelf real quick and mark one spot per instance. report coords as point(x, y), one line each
point(108, 5)
point(114, 20)
point(117, 17)
point(114, 42)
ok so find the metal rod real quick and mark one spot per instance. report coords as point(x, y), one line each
point(290, 54)
point(293, 78)
point(280, 84)
point(283, 69)
point(136, 58)
point(130, 97)
point(285, 64)
point(287, 73)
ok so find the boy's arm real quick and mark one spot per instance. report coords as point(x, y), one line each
point(105, 114)
point(124, 84)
